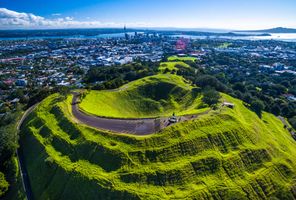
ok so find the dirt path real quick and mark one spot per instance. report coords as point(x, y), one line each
point(287, 126)
point(130, 126)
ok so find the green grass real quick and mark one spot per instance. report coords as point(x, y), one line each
point(225, 45)
point(177, 58)
point(160, 95)
point(172, 66)
point(226, 154)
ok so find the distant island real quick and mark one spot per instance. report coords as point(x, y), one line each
point(201, 33)
point(273, 30)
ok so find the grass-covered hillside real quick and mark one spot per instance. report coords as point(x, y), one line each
point(226, 154)
point(153, 96)
point(172, 66)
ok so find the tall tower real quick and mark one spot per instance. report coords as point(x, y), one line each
point(125, 33)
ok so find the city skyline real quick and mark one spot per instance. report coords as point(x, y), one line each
point(212, 14)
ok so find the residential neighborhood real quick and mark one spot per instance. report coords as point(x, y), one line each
point(46, 63)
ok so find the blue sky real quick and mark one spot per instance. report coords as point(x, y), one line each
point(225, 14)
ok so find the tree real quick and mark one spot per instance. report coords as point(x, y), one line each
point(210, 81)
point(276, 110)
point(7, 145)
point(210, 96)
point(38, 95)
point(64, 91)
point(293, 122)
point(3, 184)
point(240, 87)
point(257, 106)
point(166, 70)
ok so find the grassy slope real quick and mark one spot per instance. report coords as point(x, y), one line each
point(159, 95)
point(222, 155)
point(176, 58)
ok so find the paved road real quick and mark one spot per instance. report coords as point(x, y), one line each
point(20, 158)
point(132, 126)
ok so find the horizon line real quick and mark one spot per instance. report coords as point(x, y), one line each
point(139, 28)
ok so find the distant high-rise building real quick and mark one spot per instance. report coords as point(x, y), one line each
point(127, 36)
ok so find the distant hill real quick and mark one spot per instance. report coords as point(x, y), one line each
point(273, 30)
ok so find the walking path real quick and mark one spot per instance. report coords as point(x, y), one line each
point(131, 126)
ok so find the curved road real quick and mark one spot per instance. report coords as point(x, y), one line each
point(131, 126)
point(20, 157)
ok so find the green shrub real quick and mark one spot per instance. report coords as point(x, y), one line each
point(210, 96)
point(3, 184)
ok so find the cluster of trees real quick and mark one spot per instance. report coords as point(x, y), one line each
point(262, 92)
point(8, 146)
point(241, 77)
point(211, 96)
point(38, 94)
point(100, 78)
point(3, 184)
point(8, 135)
point(253, 96)
point(293, 121)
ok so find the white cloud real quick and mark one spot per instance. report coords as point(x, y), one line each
point(11, 19)
point(69, 18)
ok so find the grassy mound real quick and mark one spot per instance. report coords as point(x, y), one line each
point(168, 67)
point(226, 154)
point(153, 96)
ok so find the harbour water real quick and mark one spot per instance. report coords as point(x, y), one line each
point(111, 35)
point(287, 37)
